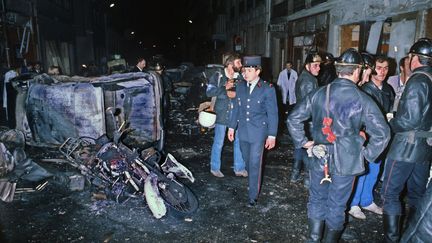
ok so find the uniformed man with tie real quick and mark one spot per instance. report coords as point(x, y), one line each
point(255, 115)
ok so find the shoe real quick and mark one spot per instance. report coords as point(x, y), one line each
point(242, 173)
point(356, 212)
point(316, 227)
point(252, 203)
point(391, 225)
point(217, 173)
point(374, 208)
point(331, 236)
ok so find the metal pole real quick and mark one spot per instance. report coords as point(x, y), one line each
point(4, 33)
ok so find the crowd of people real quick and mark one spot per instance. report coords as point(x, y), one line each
point(351, 126)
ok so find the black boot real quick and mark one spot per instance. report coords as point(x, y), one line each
point(316, 227)
point(391, 228)
point(295, 176)
point(331, 236)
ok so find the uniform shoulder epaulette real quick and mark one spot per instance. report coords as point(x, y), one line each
point(270, 84)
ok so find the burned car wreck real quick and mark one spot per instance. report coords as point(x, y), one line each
point(109, 128)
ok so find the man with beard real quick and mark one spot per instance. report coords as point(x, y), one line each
point(306, 84)
point(222, 86)
point(409, 156)
point(339, 111)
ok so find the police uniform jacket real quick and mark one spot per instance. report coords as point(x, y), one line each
point(255, 115)
point(216, 87)
point(351, 110)
point(414, 114)
point(305, 84)
point(384, 97)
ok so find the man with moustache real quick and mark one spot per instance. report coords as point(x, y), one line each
point(221, 86)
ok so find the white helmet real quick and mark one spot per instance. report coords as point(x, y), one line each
point(207, 118)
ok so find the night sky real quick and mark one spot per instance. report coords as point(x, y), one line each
point(155, 22)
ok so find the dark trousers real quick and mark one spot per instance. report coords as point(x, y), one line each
point(397, 173)
point(328, 201)
point(252, 155)
point(300, 154)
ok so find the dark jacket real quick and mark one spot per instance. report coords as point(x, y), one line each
point(384, 97)
point(136, 70)
point(216, 87)
point(327, 74)
point(420, 225)
point(351, 110)
point(255, 115)
point(306, 83)
point(414, 114)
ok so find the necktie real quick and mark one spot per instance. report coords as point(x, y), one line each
point(288, 74)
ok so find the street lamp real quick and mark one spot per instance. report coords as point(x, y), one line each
point(190, 21)
point(111, 5)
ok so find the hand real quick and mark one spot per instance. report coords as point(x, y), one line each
point(389, 116)
point(231, 135)
point(308, 144)
point(270, 143)
point(229, 85)
point(363, 134)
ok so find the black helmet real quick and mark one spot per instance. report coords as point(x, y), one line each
point(422, 47)
point(328, 57)
point(313, 56)
point(350, 57)
point(368, 59)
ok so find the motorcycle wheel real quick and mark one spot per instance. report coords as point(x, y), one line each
point(178, 197)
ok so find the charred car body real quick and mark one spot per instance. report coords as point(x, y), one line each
point(111, 129)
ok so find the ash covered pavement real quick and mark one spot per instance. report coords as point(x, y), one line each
point(57, 214)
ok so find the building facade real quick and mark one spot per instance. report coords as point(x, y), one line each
point(377, 26)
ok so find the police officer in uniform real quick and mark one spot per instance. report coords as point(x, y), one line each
point(306, 84)
point(409, 156)
point(255, 115)
point(338, 111)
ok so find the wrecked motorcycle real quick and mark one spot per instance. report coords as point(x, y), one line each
point(123, 173)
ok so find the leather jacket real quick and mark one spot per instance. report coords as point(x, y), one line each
point(306, 83)
point(414, 114)
point(420, 225)
point(384, 97)
point(351, 110)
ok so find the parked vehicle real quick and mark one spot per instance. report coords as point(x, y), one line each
point(50, 109)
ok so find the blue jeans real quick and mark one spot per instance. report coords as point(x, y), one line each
point(397, 173)
point(327, 201)
point(218, 142)
point(363, 194)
